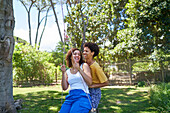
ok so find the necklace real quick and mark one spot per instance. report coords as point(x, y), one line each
point(74, 70)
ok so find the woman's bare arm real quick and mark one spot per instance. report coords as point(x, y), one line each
point(98, 85)
point(64, 81)
point(86, 74)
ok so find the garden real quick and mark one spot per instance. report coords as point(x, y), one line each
point(133, 38)
point(115, 99)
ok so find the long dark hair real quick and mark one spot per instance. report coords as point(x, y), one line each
point(69, 54)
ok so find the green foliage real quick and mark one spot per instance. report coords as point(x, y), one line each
point(58, 54)
point(140, 66)
point(98, 20)
point(151, 18)
point(59, 57)
point(158, 60)
point(160, 97)
point(127, 28)
point(141, 84)
point(147, 29)
point(32, 65)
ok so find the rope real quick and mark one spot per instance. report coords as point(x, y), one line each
point(81, 77)
point(86, 91)
point(66, 36)
point(63, 45)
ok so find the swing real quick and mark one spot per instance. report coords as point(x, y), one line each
point(67, 38)
point(92, 110)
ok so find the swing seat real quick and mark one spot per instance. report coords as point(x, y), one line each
point(93, 110)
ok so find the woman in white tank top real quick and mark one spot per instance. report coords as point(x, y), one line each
point(78, 77)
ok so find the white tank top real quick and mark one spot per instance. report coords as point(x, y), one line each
point(76, 81)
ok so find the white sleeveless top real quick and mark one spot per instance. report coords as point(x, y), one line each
point(76, 81)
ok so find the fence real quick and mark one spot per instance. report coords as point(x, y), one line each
point(132, 72)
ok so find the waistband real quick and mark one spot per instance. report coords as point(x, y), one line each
point(76, 91)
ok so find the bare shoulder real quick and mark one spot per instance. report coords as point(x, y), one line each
point(85, 65)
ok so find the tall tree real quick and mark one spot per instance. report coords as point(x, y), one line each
point(98, 21)
point(56, 20)
point(147, 31)
point(28, 6)
point(41, 6)
point(6, 52)
point(148, 23)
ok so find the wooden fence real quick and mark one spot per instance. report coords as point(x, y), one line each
point(132, 77)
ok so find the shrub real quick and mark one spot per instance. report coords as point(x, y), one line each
point(160, 97)
point(141, 84)
point(32, 66)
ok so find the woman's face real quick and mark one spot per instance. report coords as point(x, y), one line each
point(76, 56)
point(87, 53)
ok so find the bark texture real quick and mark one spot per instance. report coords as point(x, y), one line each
point(6, 52)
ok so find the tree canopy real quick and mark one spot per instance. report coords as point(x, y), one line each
point(128, 28)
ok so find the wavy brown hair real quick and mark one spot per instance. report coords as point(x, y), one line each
point(69, 54)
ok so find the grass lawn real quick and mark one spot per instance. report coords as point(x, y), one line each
point(47, 99)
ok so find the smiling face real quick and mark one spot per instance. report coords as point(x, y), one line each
point(76, 56)
point(87, 53)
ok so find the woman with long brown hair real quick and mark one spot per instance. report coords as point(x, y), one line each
point(78, 77)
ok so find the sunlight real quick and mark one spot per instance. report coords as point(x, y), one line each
point(53, 108)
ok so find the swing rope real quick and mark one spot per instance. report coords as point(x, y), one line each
point(82, 80)
point(63, 45)
point(67, 38)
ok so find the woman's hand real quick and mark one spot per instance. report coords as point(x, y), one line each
point(63, 68)
point(64, 80)
point(76, 66)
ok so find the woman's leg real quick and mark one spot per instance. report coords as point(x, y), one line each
point(82, 105)
point(95, 94)
point(65, 108)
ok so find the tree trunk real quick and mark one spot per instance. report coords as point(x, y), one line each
point(162, 71)
point(6, 52)
point(56, 20)
point(130, 71)
point(56, 75)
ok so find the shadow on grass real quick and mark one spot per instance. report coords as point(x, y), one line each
point(116, 100)
point(41, 102)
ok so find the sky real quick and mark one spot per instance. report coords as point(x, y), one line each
point(51, 36)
